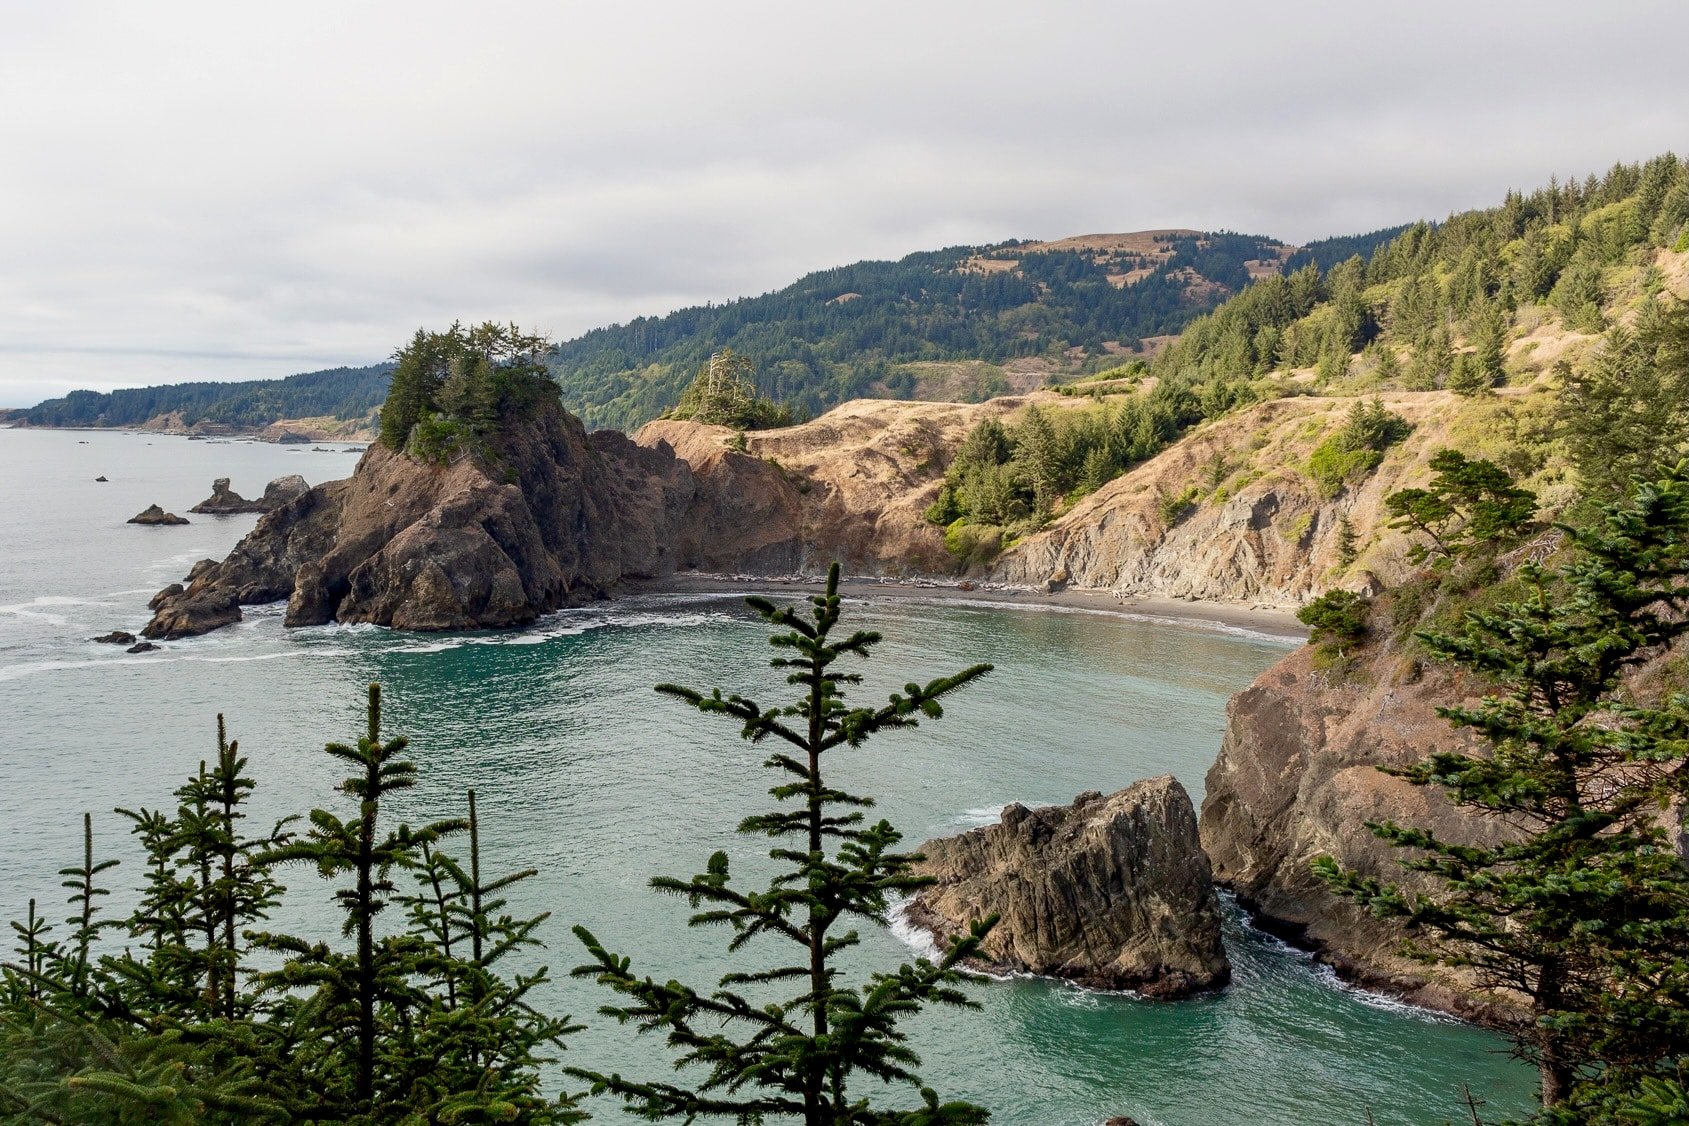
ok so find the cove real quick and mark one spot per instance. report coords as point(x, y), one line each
point(587, 775)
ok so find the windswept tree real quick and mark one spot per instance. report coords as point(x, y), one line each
point(724, 393)
point(802, 1056)
point(1468, 502)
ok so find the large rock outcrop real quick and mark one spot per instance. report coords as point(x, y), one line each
point(224, 501)
point(1298, 777)
point(1112, 892)
point(553, 517)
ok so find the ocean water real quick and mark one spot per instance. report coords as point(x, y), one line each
point(584, 773)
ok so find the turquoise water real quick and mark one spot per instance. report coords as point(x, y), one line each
point(585, 774)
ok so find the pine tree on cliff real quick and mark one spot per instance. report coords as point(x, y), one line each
point(1583, 906)
point(420, 371)
point(472, 377)
point(797, 1057)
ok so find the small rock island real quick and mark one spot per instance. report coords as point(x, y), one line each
point(153, 514)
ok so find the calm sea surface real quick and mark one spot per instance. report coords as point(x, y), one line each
point(585, 774)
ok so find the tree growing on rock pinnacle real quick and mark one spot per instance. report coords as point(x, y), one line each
point(799, 1057)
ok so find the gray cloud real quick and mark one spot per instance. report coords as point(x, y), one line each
point(199, 190)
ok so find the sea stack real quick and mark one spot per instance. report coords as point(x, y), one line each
point(224, 501)
point(1111, 892)
point(153, 514)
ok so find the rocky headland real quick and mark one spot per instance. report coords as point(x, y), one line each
point(556, 516)
point(1298, 777)
point(551, 517)
point(1112, 892)
point(564, 516)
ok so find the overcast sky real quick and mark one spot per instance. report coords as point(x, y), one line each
point(234, 191)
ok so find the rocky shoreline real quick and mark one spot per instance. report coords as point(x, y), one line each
point(557, 517)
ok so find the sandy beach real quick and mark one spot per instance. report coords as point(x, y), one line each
point(1278, 623)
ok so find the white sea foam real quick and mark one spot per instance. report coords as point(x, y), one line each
point(906, 932)
point(1328, 977)
point(1208, 624)
point(979, 816)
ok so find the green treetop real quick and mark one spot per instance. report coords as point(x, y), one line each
point(801, 1056)
point(1581, 907)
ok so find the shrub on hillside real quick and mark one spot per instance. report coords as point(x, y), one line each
point(1356, 449)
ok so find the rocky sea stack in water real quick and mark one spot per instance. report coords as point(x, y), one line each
point(224, 501)
point(153, 514)
point(1112, 892)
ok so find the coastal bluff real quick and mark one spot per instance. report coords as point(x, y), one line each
point(553, 516)
point(1298, 777)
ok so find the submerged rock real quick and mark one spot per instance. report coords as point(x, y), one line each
point(141, 647)
point(115, 637)
point(153, 514)
point(1111, 892)
point(101, 479)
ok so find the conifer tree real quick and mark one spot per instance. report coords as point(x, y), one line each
point(417, 1023)
point(375, 976)
point(797, 1057)
point(1038, 448)
point(1626, 410)
point(1346, 548)
point(1469, 501)
point(1582, 906)
point(479, 1039)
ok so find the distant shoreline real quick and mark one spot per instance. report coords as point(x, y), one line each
point(1273, 622)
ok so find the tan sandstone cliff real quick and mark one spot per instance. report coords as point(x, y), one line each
point(1262, 532)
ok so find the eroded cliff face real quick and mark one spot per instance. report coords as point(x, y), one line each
point(1298, 778)
point(1257, 529)
point(1113, 892)
point(563, 516)
point(857, 482)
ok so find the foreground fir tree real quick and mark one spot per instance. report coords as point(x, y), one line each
point(1584, 907)
point(405, 1020)
point(801, 1057)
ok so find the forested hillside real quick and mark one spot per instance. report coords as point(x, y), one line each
point(1559, 285)
point(344, 393)
point(898, 329)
